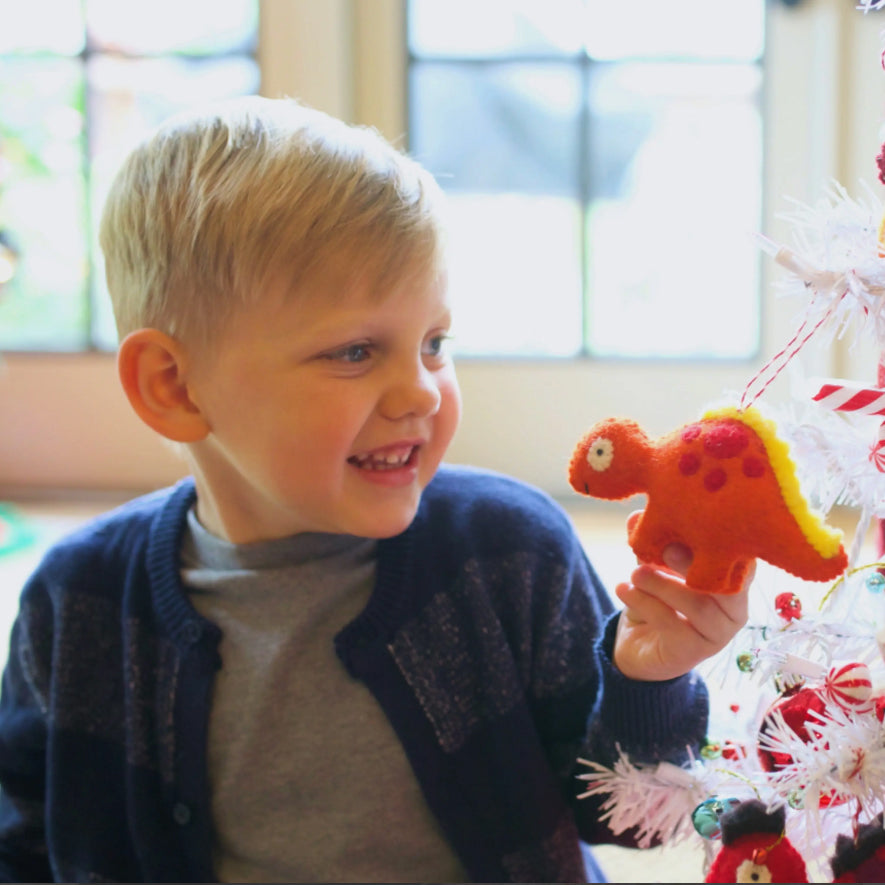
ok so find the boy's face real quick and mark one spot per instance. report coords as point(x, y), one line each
point(326, 414)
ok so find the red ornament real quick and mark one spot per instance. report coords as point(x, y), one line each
point(796, 709)
point(732, 750)
point(788, 606)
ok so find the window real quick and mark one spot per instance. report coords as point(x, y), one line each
point(68, 424)
point(604, 167)
point(80, 81)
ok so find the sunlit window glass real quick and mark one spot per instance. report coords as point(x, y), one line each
point(80, 82)
point(604, 168)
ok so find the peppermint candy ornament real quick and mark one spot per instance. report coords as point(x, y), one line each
point(850, 686)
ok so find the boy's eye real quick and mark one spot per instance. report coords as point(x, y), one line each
point(353, 353)
point(436, 345)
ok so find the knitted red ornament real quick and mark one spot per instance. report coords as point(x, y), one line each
point(862, 858)
point(755, 848)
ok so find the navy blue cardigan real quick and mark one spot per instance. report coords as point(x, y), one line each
point(486, 641)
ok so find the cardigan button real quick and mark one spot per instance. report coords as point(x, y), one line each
point(191, 631)
point(181, 814)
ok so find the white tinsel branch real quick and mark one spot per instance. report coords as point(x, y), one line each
point(844, 756)
point(835, 267)
point(655, 799)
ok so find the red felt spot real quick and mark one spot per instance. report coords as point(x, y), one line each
point(734, 707)
point(726, 440)
point(689, 464)
point(691, 432)
point(715, 479)
point(753, 467)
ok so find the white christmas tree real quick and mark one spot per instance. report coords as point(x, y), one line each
point(799, 696)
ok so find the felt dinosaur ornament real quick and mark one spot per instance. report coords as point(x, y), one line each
point(725, 486)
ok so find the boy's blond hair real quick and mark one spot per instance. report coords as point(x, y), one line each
point(217, 204)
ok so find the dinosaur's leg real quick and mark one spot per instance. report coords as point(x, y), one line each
point(715, 574)
point(739, 572)
point(648, 538)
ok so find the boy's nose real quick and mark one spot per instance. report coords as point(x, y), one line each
point(412, 394)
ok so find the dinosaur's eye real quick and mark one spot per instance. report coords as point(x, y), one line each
point(600, 453)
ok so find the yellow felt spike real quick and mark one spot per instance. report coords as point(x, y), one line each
point(824, 538)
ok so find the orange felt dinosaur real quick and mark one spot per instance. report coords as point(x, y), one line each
point(725, 486)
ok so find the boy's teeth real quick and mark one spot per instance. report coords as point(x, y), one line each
point(382, 462)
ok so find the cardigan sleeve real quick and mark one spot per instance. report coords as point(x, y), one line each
point(597, 712)
point(23, 736)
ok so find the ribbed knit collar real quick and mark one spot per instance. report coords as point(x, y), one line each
point(384, 613)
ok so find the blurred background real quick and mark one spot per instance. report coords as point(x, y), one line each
point(608, 165)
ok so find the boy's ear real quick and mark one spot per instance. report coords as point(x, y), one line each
point(152, 370)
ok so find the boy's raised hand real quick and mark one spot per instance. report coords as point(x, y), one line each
point(666, 628)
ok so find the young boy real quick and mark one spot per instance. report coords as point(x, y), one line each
point(324, 657)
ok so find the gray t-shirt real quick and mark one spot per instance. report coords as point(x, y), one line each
point(309, 781)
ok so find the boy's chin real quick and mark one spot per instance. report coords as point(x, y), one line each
point(382, 525)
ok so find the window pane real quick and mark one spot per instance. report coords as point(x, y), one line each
point(128, 97)
point(192, 26)
point(42, 204)
point(41, 25)
point(505, 127)
point(466, 28)
point(668, 235)
point(514, 278)
point(503, 141)
point(631, 145)
point(686, 28)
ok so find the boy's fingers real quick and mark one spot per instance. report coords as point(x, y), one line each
point(712, 615)
point(677, 557)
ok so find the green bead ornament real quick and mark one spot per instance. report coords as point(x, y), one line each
point(711, 750)
point(747, 661)
point(706, 816)
point(796, 800)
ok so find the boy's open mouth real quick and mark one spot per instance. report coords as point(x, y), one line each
point(390, 459)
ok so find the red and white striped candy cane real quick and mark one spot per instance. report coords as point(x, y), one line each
point(877, 452)
point(845, 396)
point(880, 528)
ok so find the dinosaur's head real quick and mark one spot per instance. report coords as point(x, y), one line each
point(610, 460)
